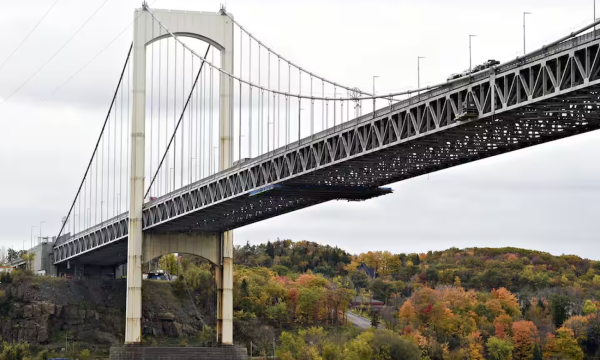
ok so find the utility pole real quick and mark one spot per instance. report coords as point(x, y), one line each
point(525, 13)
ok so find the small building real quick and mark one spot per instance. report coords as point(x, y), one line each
point(367, 270)
point(359, 300)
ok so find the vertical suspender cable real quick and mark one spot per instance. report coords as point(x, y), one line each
point(289, 107)
point(174, 120)
point(128, 167)
point(172, 140)
point(95, 152)
point(158, 183)
point(191, 126)
point(269, 100)
point(240, 105)
point(108, 170)
point(199, 129)
point(278, 98)
point(299, 102)
point(151, 99)
point(182, 136)
point(167, 112)
point(250, 99)
point(210, 124)
point(312, 109)
point(121, 156)
point(323, 125)
point(114, 164)
point(260, 107)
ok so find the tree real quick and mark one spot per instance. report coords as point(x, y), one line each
point(590, 307)
point(524, 335)
point(14, 351)
point(360, 279)
point(264, 339)
point(389, 345)
point(537, 352)
point(169, 263)
point(559, 308)
point(13, 255)
point(499, 349)
point(374, 319)
point(563, 346)
point(28, 258)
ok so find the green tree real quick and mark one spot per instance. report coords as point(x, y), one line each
point(499, 349)
point(169, 263)
point(560, 305)
point(14, 351)
point(374, 319)
point(589, 307)
point(360, 279)
point(537, 352)
point(389, 345)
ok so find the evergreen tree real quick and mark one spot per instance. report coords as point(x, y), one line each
point(270, 250)
point(537, 352)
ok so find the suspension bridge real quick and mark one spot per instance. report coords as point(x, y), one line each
point(209, 129)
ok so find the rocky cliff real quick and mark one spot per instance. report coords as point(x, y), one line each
point(46, 310)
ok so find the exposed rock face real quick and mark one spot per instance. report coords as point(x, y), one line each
point(92, 312)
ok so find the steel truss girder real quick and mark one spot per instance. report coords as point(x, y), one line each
point(547, 97)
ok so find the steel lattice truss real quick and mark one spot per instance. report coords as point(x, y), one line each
point(543, 98)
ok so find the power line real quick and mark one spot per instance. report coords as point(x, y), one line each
point(27, 37)
point(56, 53)
point(93, 58)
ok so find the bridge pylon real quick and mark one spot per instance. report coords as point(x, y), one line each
point(217, 30)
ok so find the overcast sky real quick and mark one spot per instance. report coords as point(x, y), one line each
point(543, 198)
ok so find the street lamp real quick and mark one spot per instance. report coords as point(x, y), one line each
point(374, 77)
point(31, 237)
point(41, 222)
point(470, 55)
point(419, 75)
point(525, 13)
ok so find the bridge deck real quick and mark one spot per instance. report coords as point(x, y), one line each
point(543, 98)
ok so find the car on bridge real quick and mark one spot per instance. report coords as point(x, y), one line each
point(159, 275)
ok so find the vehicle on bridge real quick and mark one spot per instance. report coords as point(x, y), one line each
point(159, 275)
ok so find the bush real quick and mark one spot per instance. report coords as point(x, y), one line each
point(85, 354)
point(391, 346)
point(14, 351)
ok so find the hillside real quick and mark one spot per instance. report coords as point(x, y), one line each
point(480, 303)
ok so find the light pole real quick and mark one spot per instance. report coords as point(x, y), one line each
point(215, 159)
point(299, 117)
point(470, 55)
point(525, 13)
point(173, 183)
point(419, 75)
point(374, 77)
point(31, 237)
point(41, 222)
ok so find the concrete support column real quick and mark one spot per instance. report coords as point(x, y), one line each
point(133, 312)
point(225, 291)
point(224, 272)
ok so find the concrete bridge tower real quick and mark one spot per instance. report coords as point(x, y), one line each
point(217, 30)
